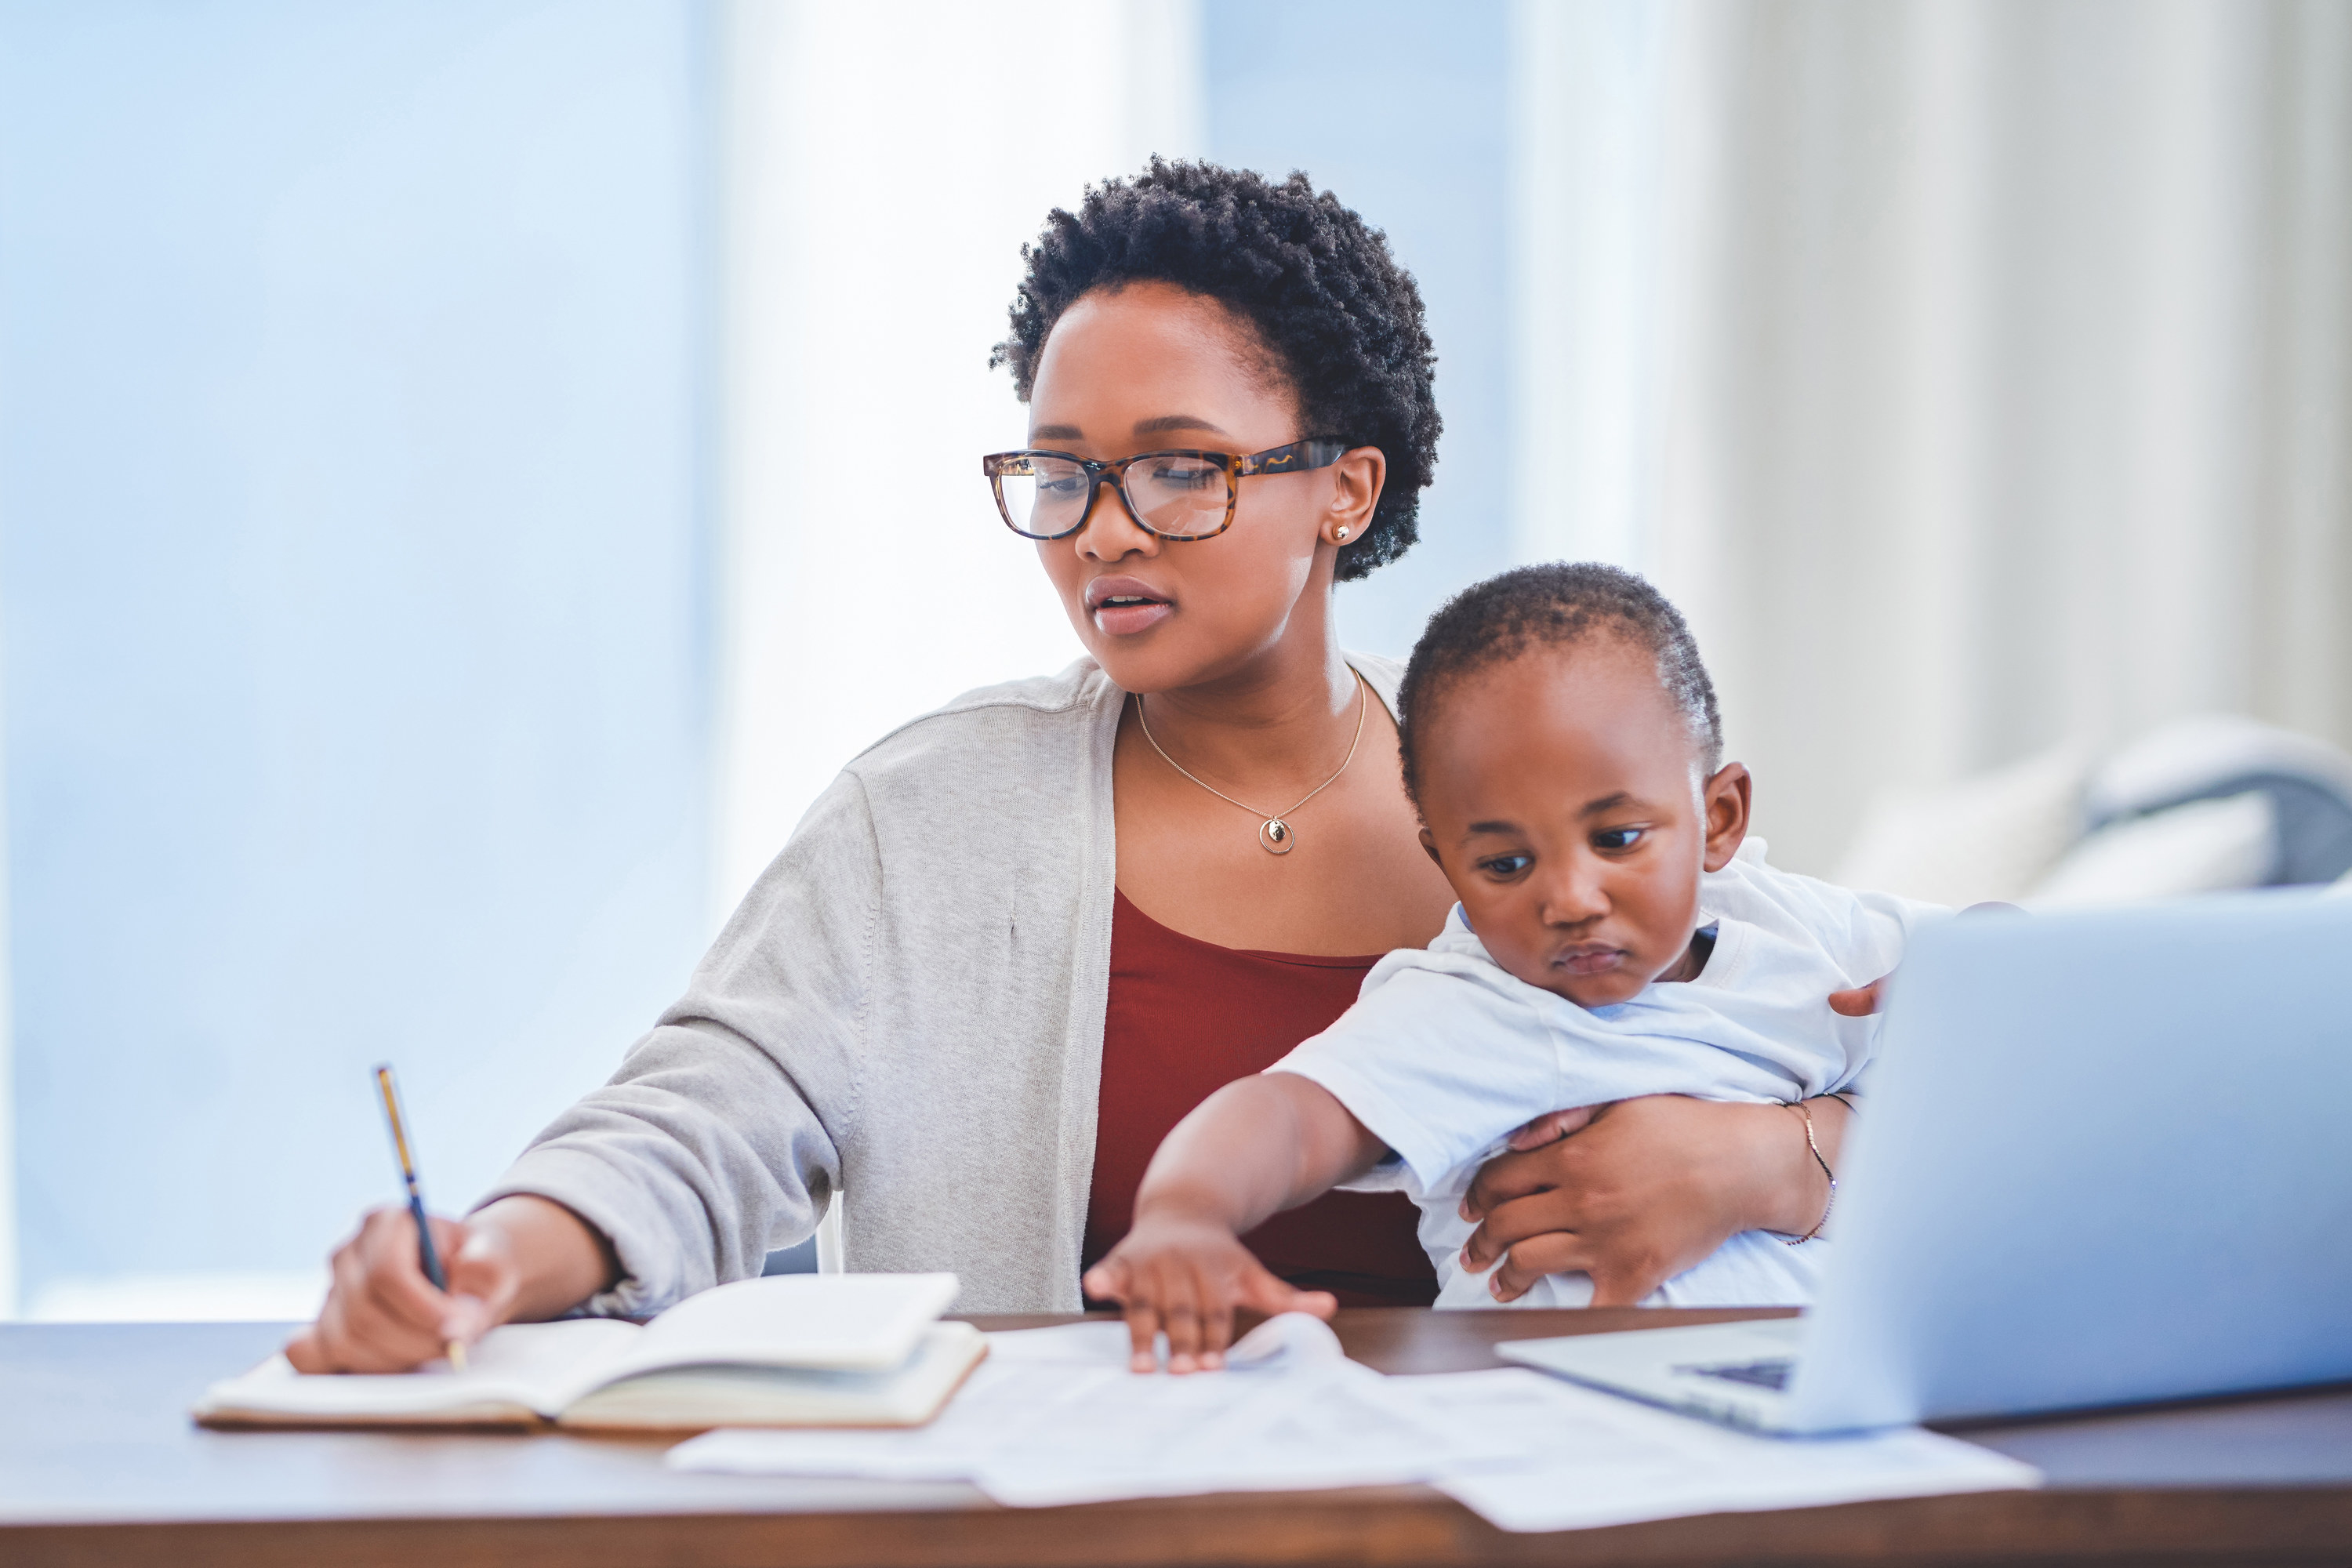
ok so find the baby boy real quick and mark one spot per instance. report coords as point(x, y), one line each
point(1616, 937)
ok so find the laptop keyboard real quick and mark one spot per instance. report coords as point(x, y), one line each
point(1773, 1373)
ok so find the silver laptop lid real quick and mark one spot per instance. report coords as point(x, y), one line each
point(2106, 1157)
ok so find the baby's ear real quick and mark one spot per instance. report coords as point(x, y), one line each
point(1724, 799)
point(1429, 848)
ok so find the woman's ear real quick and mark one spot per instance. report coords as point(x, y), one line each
point(1725, 801)
point(1357, 478)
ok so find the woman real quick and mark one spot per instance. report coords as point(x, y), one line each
point(1020, 937)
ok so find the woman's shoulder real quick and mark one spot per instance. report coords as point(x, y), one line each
point(1386, 674)
point(1012, 725)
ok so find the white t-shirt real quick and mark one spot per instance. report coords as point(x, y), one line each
point(1446, 1054)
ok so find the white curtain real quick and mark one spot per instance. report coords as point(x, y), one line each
point(884, 164)
point(1977, 374)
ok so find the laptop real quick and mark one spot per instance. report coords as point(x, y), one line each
point(2104, 1157)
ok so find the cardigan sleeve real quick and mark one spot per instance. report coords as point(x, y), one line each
point(719, 1139)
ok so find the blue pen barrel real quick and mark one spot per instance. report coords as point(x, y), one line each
point(428, 1256)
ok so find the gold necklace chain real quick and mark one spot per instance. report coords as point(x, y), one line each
point(1274, 834)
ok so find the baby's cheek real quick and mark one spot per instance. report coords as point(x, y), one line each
point(1524, 955)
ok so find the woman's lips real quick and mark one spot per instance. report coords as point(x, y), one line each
point(1589, 960)
point(1120, 610)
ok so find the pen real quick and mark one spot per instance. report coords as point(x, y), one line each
point(427, 1257)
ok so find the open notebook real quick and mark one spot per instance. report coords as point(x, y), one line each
point(806, 1349)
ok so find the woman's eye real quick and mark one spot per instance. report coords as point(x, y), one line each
point(1186, 476)
point(1610, 838)
point(1506, 864)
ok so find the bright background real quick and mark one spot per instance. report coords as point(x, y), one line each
point(441, 553)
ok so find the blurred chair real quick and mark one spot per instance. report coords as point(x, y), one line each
point(2197, 804)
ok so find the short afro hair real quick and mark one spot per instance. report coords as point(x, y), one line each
point(1552, 604)
point(1342, 320)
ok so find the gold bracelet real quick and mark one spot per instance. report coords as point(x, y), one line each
point(1798, 1107)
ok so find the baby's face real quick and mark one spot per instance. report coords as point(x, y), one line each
point(1563, 798)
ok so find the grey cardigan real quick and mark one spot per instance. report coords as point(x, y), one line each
point(907, 1008)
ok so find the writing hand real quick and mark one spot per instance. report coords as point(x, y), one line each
point(1185, 1278)
point(383, 1315)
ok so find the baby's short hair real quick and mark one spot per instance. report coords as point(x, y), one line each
point(1553, 604)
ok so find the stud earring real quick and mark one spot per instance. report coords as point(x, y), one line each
point(1343, 536)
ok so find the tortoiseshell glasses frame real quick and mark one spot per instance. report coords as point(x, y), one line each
point(1050, 495)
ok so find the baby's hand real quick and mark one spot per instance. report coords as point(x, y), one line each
point(1185, 1277)
point(1864, 999)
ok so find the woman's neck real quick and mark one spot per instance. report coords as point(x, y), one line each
point(1277, 720)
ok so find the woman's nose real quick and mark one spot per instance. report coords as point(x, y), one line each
point(1109, 533)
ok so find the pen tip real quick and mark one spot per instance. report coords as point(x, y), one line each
point(457, 1355)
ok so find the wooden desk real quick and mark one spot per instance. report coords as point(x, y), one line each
point(99, 1463)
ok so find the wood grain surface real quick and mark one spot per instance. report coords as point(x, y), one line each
point(100, 1465)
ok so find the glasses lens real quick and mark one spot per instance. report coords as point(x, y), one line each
point(1042, 496)
point(1180, 496)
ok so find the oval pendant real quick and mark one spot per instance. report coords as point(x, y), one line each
point(1275, 836)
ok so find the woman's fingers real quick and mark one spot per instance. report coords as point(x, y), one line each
point(380, 1313)
point(1650, 1188)
point(484, 1279)
point(1555, 1252)
point(1551, 1127)
point(1551, 1210)
point(1507, 1177)
point(1616, 1281)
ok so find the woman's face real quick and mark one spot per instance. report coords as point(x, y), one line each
point(1150, 367)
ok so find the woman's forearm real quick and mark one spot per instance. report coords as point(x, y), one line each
point(1788, 1192)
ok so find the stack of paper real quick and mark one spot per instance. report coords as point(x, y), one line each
point(1053, 1417)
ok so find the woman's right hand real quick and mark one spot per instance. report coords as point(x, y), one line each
point(521, 1257)
point(382, 1313)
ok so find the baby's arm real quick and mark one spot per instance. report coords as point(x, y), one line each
point(1864, 999)
point(1248, 1151)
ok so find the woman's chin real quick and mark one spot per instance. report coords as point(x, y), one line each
point(1155, 659)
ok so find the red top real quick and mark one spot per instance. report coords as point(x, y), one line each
point(1187, 1017)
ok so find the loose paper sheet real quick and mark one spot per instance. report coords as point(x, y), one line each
point(1053, 1417)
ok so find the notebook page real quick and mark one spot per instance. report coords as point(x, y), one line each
point(834, 1322)
point(535, 1365)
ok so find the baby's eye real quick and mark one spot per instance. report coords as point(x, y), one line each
point(1506, 864)
point(1610, 838)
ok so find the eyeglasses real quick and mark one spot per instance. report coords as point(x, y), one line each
point(1172, 495)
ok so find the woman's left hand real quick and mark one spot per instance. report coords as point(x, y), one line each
point(1645, 1191)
